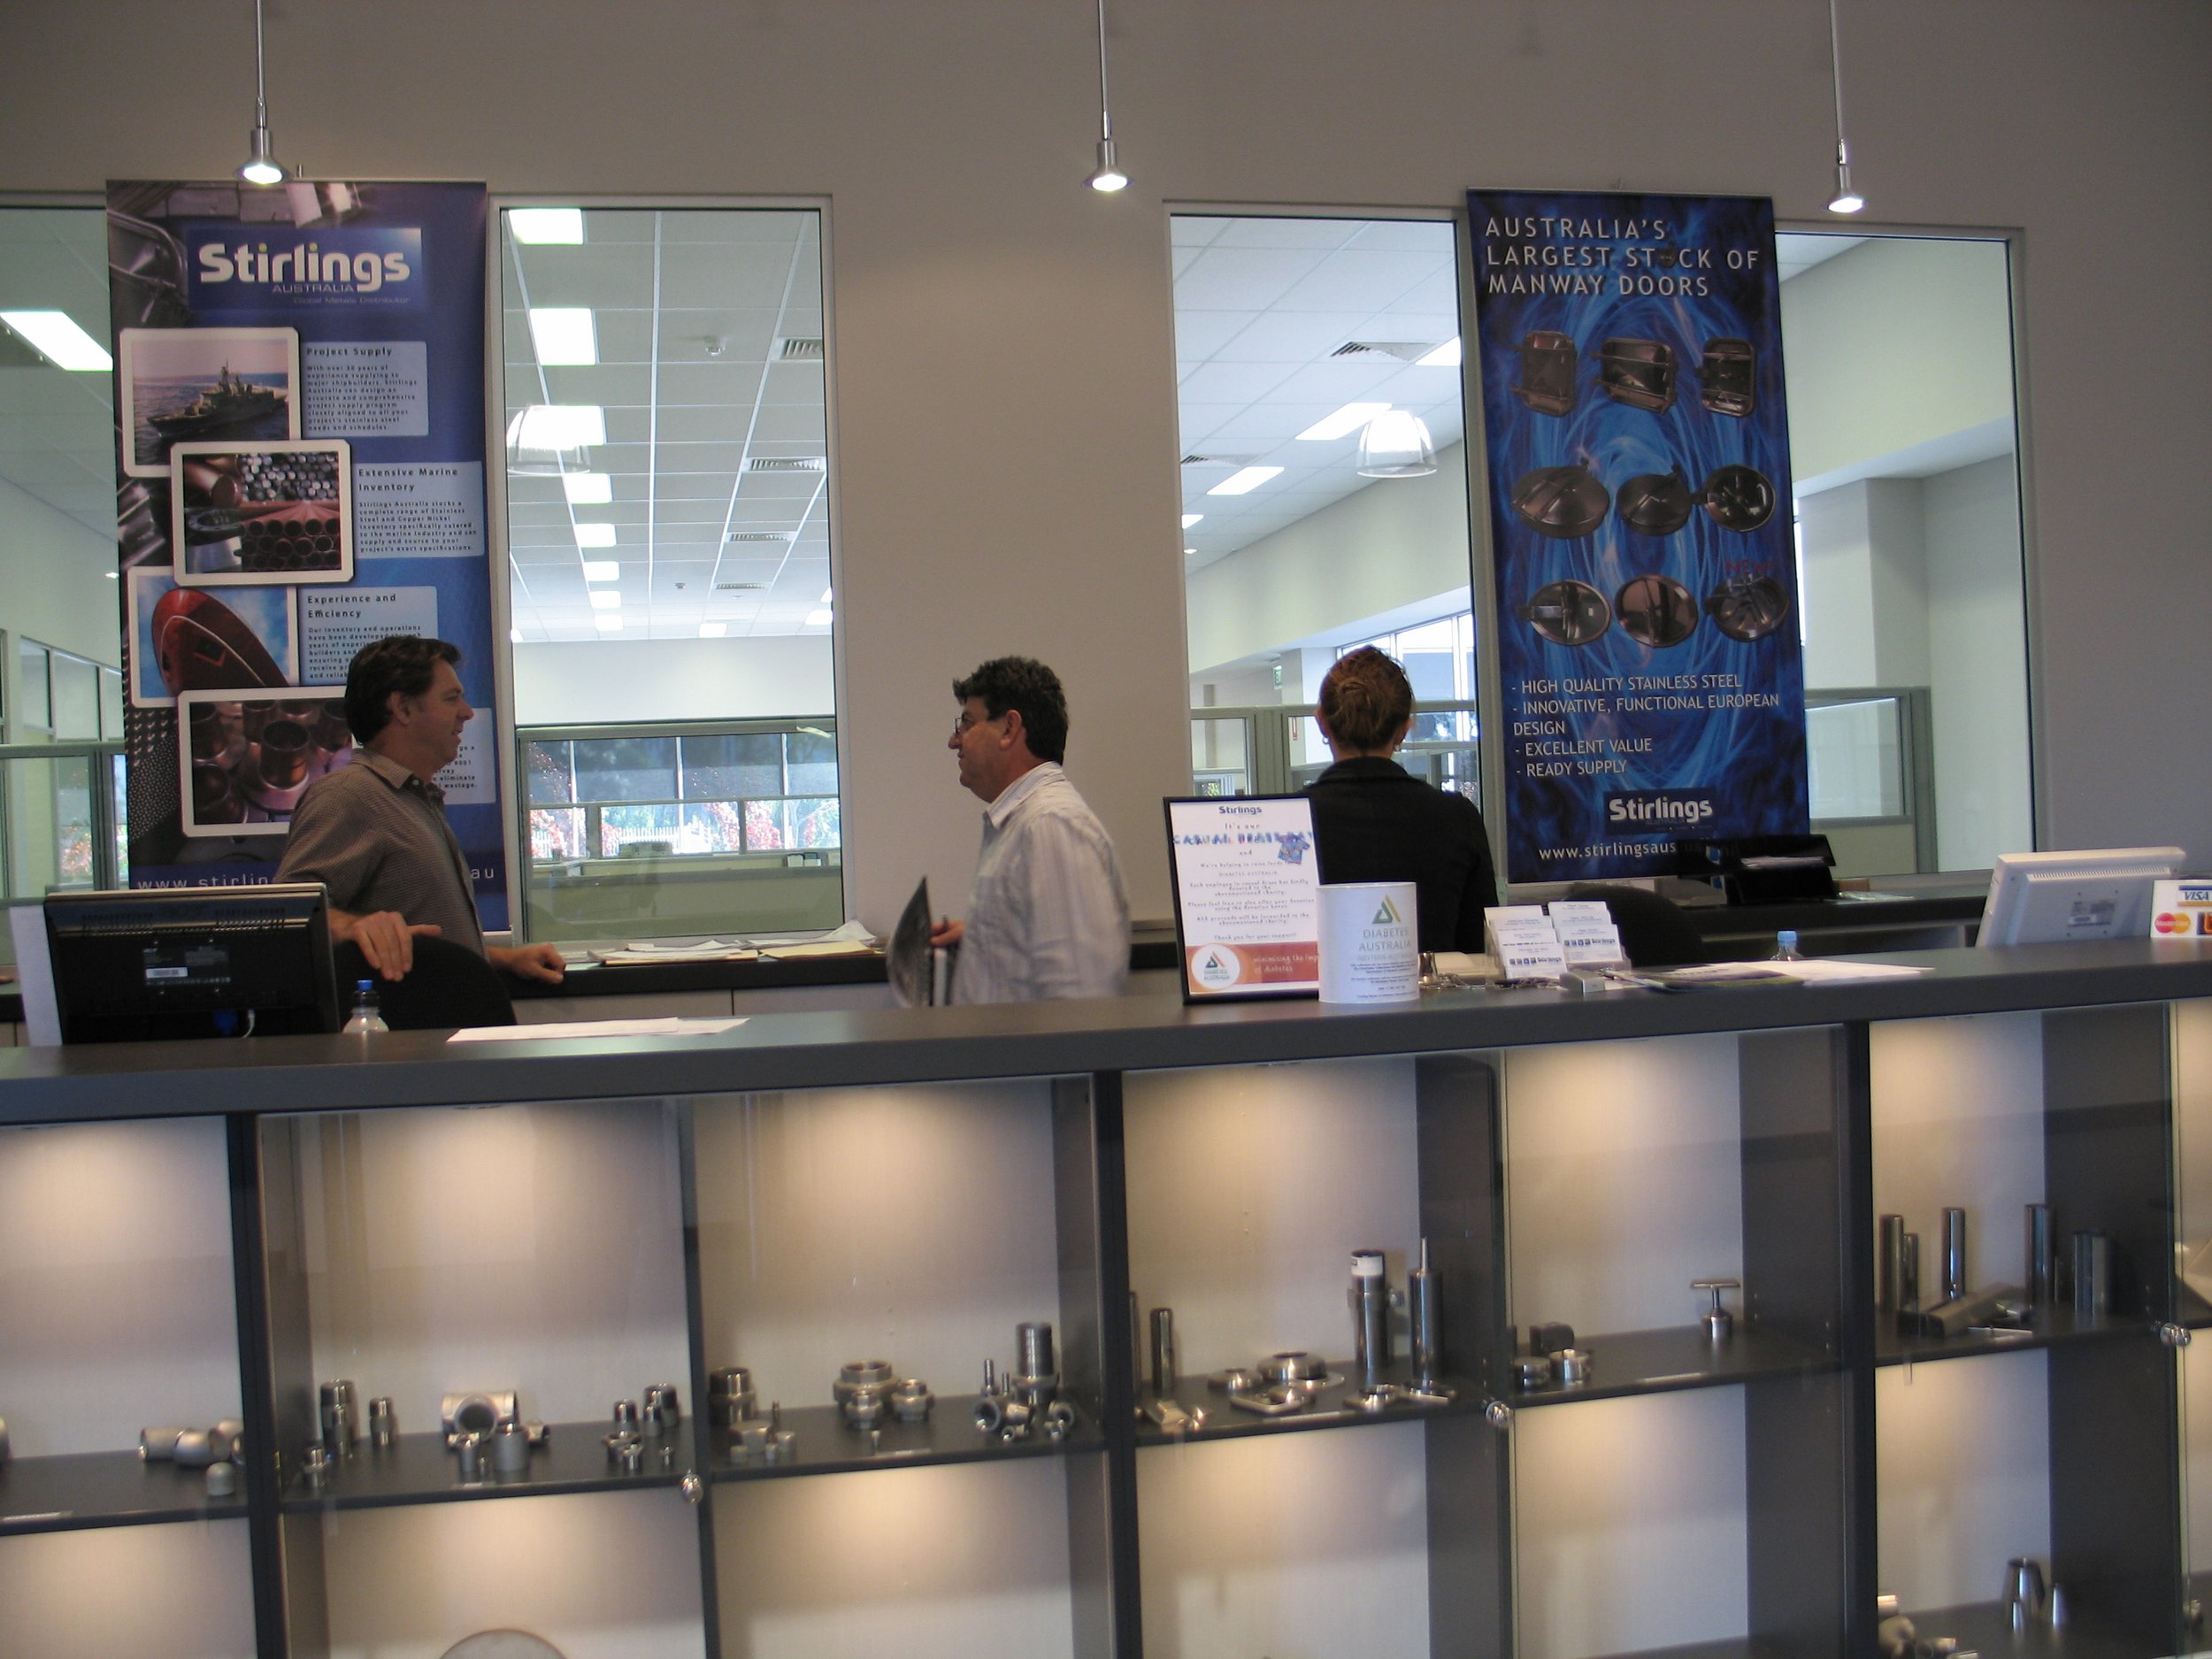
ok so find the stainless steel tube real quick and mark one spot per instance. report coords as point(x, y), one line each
point(1163, 1375)
point(2092, 1273)
point(1954, 1255)
point(1425, 1313)
point(1890, 1268)
point(1370, 1318)
point(2042, 1257)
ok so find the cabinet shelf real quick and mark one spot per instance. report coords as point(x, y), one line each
point(79, 1490)
point(418, 1469)
point(1983, 1627)
point(826, 1445)
point(1224, 1422)
point(1732, 1647)
point(2051, 1328)
point(1677, 1357)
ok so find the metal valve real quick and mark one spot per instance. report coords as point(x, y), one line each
point(1498, 1414)
point(2174, 1335)
point(695, 1490)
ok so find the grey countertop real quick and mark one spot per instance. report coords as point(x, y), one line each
point(1126, 1033)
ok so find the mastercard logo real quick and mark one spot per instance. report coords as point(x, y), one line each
point(2168, 922)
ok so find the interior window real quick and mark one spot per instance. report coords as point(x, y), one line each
point(1324, 484)
point(667, 480)
point(1905, 459)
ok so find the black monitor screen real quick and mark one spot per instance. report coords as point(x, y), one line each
point(199, 962)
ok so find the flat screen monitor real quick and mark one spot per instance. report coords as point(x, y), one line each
point(194, 962)
point(2055, 898)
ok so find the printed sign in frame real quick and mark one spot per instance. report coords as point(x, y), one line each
point(1643, 561)
point(1247, 881)
point(301, 446)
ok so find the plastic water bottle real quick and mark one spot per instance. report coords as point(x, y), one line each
point(366, 1021)
point(1785, 947)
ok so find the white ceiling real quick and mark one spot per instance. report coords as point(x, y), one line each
point(56, 426)
point(1261, 304)
point(691, 310)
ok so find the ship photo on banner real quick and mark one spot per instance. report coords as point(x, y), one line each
point(300, 470)
point(1648, 650)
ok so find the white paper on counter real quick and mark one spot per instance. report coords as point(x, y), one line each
point(669, 1027)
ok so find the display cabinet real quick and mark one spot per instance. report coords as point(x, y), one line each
point(577, 1222)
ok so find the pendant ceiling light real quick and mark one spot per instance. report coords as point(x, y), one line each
point(1396, 444)
point(1846, 199)
point(261, 165)
point(1109, 177)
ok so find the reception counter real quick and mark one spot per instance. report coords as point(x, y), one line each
point(189, 1232)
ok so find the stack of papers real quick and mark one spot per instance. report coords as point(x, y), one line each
point(706, 951)
point(669, 1027)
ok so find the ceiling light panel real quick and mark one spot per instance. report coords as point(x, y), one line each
point(558, 427)
point(586, 489)
point(542, 226)
point(564, 334)
point(1244, 480)
point(1346, 420)
point(603, 570)
point(60, 340)
point(594, 535)
point(603, 599)
point(713, 630)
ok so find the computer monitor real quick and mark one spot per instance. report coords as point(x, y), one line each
point(192, 961)
point(2055, 898)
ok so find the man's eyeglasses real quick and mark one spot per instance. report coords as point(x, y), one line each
point(967, 723)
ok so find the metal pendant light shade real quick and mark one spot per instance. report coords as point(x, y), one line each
point(261, 165)
point(1108, 177)
point(1396, 444)
point(1845, 200)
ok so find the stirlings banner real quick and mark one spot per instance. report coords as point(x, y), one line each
point(1639, 503)
point(299, 401)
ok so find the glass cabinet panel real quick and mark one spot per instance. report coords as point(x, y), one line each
point(1678, 1480)
point(480, 1270)
point(1250, 1190)
point(2192, 1041)
point(2025, 1441)
point(118, 1329)
point(864, 1253)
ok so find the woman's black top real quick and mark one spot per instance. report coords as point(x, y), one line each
point(1373, 821)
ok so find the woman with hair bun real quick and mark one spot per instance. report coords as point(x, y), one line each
point(1374, 821)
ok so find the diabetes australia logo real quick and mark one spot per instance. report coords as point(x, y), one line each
point(245, 268)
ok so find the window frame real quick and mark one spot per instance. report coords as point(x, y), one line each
point(514, 825)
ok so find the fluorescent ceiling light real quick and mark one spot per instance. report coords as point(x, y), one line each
point(603, 570)
point(547, 224)
point(1189, 551)
point(514, 636)
point(827, 593)
point(604, 599)
point(1445, 357)
point(1190, 518)
point(713, 630)
point(607, 622)
point(594, 535)
point(59, 340)
point(1244, 480)
point(558, 427)
point(1345, 421)
point(818, 619)
point(588, 489)
point(564, 334)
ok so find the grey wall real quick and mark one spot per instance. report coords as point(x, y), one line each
point(1004, 387)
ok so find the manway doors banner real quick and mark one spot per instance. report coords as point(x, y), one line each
point(300, 470)
point(1640, 504)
